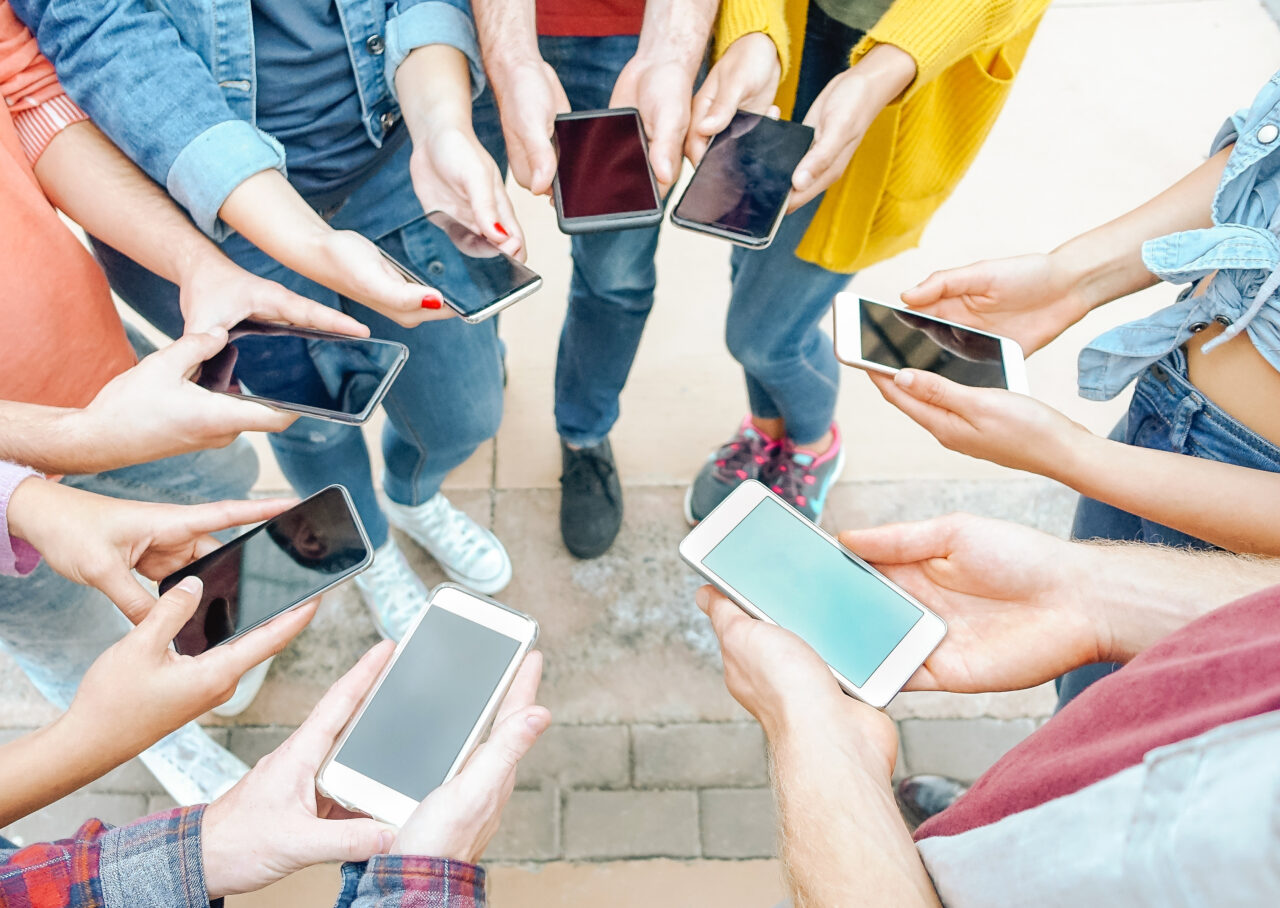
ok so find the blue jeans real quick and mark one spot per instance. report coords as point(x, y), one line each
point(1167, 413)
point(447, 400)
point(611, 290)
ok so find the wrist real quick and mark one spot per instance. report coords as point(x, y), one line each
point(889, 70)
point(849, 731)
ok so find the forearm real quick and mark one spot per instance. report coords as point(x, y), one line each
point(434, 86)
point(844, 841)
point(269, 213)
point(49, 439)
point(50, 763)
point(1106, 263)
point(508, 31)
point(100, 189)
point(677, 30)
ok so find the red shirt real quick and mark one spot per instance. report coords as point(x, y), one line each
point(1219, 669)
point(590, 18)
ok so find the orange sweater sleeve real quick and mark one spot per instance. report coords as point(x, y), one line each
point(35, 99)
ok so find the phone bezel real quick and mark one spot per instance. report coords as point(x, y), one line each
point(239, 541)
point(847, 311)
point(748, 241)
point(358, 792)
point(352, 419)
point(624, 220)
point(901, 662)
point(518, 293)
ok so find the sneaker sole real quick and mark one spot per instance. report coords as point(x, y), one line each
point(688, 506)
point(487, 588)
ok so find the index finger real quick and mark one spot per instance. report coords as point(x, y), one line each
point(900, 543)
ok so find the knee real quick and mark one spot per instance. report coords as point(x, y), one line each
point(752, 348)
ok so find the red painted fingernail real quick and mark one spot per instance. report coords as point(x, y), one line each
point(502, 230)
point(431, 302)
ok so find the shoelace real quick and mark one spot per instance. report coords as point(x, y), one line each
point(734, 460)
point(791, 479)
point(587, 466)
point(454, 529)
point(398, 584)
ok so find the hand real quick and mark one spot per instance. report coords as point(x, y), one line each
point(154, 411)
point(842, 114)
point(1029, 298)
point(457, 820)
point(217, 293)
point(661, 88)
point(1014, 599)
point(745, 78)
point(272, 823)
point(1001, 426)
point(780, 680)
point(351, 264)
point(529, 97)
point(140, 690)
point(453, 173)
point(100, 541)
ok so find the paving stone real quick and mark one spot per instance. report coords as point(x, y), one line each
point(159, 803)
point(630, 824)
point(62, 818)
point(581, 756)
point(738, 823)
point(530, 829)
point(700, 755)
point(961, 748)
point(252, 743)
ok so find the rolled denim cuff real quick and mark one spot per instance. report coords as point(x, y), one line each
point(432, 22)
point(214, 163)
point(155, 863)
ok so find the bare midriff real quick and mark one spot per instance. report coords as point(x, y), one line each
point(1238, 379)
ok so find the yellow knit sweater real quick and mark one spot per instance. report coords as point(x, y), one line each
point(967, 53)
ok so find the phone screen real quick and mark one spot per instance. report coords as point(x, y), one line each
point(419, 720)
point(470, 272)
point(812, 588)
point(908, 340)
point(603, 166)
point(271, 568)
point(745, 176)
point(300, 368)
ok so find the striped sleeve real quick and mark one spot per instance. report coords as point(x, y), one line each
point(36, 126)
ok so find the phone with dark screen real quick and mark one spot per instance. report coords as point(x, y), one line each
point(603, 180)
point(739, 191)
point(275, 567)
point(316, 373)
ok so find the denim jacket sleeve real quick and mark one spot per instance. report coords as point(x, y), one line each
point(400, 881)
point(416, 23)
point(130, 70)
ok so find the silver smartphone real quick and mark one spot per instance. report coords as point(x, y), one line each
point(476, 278)
point(430, 706)
point(272, 365)
point(881, 338)
point(277, 566)
point(781, 568)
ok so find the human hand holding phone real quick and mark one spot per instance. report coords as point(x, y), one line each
point(1030, 298)
point(100, 541)
point(660, 86)
point(273, 823)
point(744, 78)
point(458, 819)
point(529, 96)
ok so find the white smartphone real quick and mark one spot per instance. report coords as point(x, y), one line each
point(881, 338)
point(781, 568)
point(430, 706)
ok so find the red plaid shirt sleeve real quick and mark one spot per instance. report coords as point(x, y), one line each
point(406, 881)
point(54, 873)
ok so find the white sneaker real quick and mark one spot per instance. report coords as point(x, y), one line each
point(469, 553)
point(246, 690)
point(392, 591)
point(192, 767)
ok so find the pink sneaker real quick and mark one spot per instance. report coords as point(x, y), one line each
point(803, 478)
point(743, 457)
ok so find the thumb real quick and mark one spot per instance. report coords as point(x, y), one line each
point(932, 389)
point(189, 351)
point(325, 841)
point(171, 611)
point(128, 595)
point(511, 739)
point(900, 543)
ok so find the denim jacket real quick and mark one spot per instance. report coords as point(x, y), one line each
point(173, 82)
point(1239, 254)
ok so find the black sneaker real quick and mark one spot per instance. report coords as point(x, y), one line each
point(921, 797)
point(590, 499)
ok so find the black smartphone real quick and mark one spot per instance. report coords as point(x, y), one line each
point(739, 191)
point(276, 566)
point(603, 179)
point(329, 376)
point(476, 278)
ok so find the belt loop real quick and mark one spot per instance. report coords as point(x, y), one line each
point(1184, 414)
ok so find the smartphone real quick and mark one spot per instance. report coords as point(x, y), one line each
point(476, 278)
point(316, 373)
point(740, 190)
point(603, 180)
point(884, 339)
point(430, 706)
point(275, 567)
point(781, 568)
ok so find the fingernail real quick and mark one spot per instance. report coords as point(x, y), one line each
point(904, 379)
point(801, 179)
point(431, 302)
point(702, 597)
point(536, 722)
point(502, 230)
point(191, 585)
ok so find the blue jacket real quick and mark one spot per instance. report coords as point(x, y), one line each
point(173, 82)
point(1240, 254)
